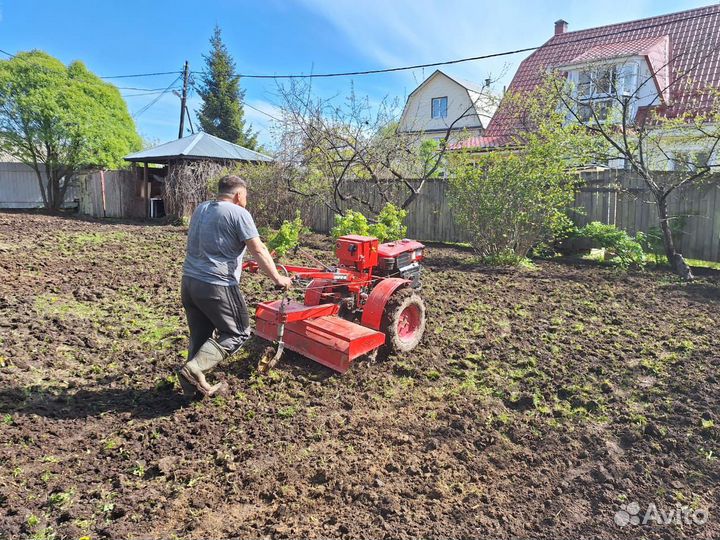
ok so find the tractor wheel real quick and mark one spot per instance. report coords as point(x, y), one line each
point(403, 321)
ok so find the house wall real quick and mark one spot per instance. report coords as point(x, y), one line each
point(19, 187)
point(646, 95)
point(417, 115)
point(686, 143)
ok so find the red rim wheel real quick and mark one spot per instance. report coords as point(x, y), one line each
point(404, 321)
point(409, 322)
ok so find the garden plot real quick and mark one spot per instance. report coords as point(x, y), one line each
point(539, 402)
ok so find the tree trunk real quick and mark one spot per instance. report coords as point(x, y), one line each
point(43, 191)
point(675, 259)
point(57, 192)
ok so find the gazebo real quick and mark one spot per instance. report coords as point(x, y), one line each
point(201, 146)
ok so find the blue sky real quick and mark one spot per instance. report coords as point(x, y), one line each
point(274, 36)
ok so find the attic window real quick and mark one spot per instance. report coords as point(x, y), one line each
point(607, 81)
point(439, 107)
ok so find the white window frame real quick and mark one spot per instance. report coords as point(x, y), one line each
point(432, 107)
point(591, 94)
point(623, 81)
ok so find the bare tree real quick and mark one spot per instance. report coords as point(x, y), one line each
point(327, 144)
point(632, 114)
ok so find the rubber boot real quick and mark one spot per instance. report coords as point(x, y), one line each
point(193, 372)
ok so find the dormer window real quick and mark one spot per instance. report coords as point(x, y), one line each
point(439, 107)
point(606, 81)
point(601, 89)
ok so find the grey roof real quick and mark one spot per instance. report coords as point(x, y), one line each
point(198, 146)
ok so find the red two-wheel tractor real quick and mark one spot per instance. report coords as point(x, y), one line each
point(368, 301)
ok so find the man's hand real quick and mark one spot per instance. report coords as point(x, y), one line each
point(284, 282)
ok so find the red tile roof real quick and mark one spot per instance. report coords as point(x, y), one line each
point(621, 49)
point(481, 142)
point(694, 44)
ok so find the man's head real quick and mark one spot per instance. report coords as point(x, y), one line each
point(234, 189)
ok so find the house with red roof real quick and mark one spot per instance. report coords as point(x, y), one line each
point(660, 64)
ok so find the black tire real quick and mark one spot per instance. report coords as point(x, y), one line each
point(407, 301)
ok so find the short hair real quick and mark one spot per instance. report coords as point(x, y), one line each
point(230, 184)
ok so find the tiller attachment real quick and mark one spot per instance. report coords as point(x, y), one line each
point(315, 332)
point(270, 359)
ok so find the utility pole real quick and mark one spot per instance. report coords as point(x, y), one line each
point(183, 99)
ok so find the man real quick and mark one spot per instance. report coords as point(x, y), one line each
point(220, 230)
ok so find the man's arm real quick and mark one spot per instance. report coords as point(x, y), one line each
point(261, 254)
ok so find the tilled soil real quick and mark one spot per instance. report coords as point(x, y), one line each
point(538, 403)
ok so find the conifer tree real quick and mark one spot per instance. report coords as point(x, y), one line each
point(221, 113)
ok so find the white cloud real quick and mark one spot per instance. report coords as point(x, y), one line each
point(392, 33)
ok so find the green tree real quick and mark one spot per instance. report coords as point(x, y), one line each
point(652, 137)
point(221, 113)
point(61, 120)
point(509, 200)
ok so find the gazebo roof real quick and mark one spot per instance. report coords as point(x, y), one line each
point(198, 146)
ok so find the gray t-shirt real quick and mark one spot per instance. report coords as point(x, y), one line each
point(216, 242)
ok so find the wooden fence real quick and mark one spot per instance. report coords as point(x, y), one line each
point(123, 196)
point(612, 197)
point(429, 215)
point(621, 198)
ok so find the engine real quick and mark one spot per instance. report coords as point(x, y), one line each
point(400, 259)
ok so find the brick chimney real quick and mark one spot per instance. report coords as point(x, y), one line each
point(560, 27)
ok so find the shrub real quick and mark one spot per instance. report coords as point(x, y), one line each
point(287, 237)
point(507, 258)
point(192, 182)
point(507, 202)
point(513, 199)
point(351, 223)
point(188, 184)
point(389, 224)
point(269, 200)
point(620, 248)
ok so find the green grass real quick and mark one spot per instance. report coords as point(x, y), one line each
point(95, 239)
point(131, 317)
point(60, 499)
point(48, 304)
point(697, 263)
point(287, 412)
point(661, 260)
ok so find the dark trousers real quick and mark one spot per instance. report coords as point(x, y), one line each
point(214, 307)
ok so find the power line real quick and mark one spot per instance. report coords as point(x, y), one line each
point(7, 53)
point(471, 58)
point(260, 111)
point(246, 104)
point(139, 89)
point(144, 93)
point(139, 75)
point(154, 101)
